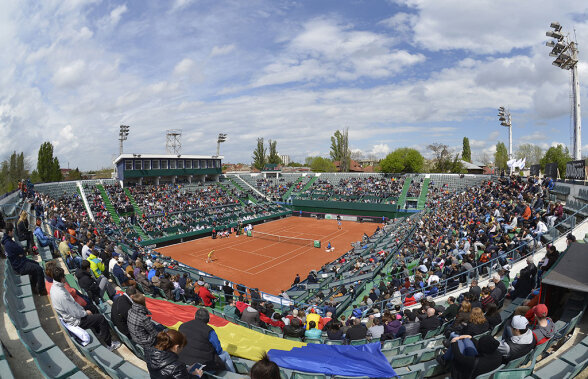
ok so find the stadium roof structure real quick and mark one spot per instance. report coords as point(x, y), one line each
point(165, 156)
point(570, 269)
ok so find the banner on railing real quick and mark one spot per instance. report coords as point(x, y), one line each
point(551, 170)
point(576, 170)
point(535, 170)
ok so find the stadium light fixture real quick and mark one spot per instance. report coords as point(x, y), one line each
point(565, 52)
point(505, 120)
point(122, 136)
point(222, 137)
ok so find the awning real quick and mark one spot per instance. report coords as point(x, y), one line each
point(570, 269)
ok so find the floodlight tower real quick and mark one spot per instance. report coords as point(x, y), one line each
point(566, 53)
point(504, 118)
point(173, 142)
point(122, 136)
point(222, 137)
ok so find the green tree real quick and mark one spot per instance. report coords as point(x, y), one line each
point(403, 160)
point(500, 156)
point(320, 164)
point(295, 164)
point(466, 152)
point(259, 155)
point(273, 157)
point(74, 174)
point(12, 170)
point(557, 154)
point(340, 149)
point(442, 158)
point(48, 165)
point(532, 153)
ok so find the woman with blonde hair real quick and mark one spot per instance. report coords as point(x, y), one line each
point(23, 232)
point(477, 324)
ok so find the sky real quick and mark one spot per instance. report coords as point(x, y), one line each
point(397, 73)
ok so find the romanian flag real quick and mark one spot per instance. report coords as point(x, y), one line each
point(239, 341)
point(235, 339)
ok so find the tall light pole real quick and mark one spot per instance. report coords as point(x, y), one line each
point(566, 53)
point(504, 118)
point(222, 137)
point(122, 136)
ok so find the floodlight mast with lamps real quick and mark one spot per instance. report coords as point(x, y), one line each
point(504, 118)
point(566, 53)
point(222, 137)
point(122, 136)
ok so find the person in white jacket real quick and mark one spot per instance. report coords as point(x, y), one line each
point(540, 229)
point(73, 314)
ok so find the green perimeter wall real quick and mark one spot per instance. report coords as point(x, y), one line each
point(348, 208)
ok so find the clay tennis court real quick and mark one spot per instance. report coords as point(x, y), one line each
point(269, 265)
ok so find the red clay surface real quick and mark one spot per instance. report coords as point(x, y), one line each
point(268, 265)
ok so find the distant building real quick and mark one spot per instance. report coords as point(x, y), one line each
point(472, 168)
point(355, 166)
point(167, 168)
point(285, 159)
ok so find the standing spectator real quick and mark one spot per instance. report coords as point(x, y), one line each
point(73, 314)
point(203, 345)
point(20, 264)
point(526, 281)
point(228, 291)
point(23, 232)
point(141, 328)
point(120, 310)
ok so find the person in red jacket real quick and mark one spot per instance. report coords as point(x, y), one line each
point(207, 297)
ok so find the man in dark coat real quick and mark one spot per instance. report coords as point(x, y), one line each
point(431, 322)
point(120, 310)
point(357, 332)
point(20, 264)
point(526, 281)
point(295, 329)
point(203, 344)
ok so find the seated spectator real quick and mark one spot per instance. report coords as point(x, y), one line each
point(203, 345)
point(357, 331)
point(469, 358)
point(376, 330)
point(141, 328)
point(166, 285)
point(487, 297)
point(393, 328)
point(123, 278)
point(431, 322)
point(20, 264)
point(89, 284)
point(120, 310)
point(22, 231)
point(477, 324)
point(42, 238)
point(334, 331)
point(451, 310)
point(73, 314)
point(295, 329)
point(205, 295)
point(77, 296)
point(72, 260)
point(412, 324)
point(163, 360)
point(493, 315)
point(250, 315)
point(265, 369)
point(520, 343)
point(543, 327)
point(313, 332)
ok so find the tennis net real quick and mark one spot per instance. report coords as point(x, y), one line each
point(285, 239)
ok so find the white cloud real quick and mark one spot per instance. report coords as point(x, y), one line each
point(401, 22)
point(70, 75)
point(326, 51)
point(184, 66)
point(222, 50)
point(116, 14)
point(380, 150)
point(180, 4)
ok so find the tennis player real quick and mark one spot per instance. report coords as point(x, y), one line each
point(210, 258)
point(329, 247)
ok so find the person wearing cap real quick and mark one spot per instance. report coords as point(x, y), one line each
point(112, 262)
point(520, 342)
point(543, 327)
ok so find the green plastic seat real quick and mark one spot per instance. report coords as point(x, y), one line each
point(313, 340)
point(555, 369)
point(18, 304)
point(412, 339)
point(403, 360)
point(292, 338)
point(362, 341)
point(53, 363)
point(306, 375)
point(391, 343)
point(409, 375)
point(130, 371)
point(25, 321)
point(413, 347)
point(515, 373)
point(5, 372)
point(36, 340)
